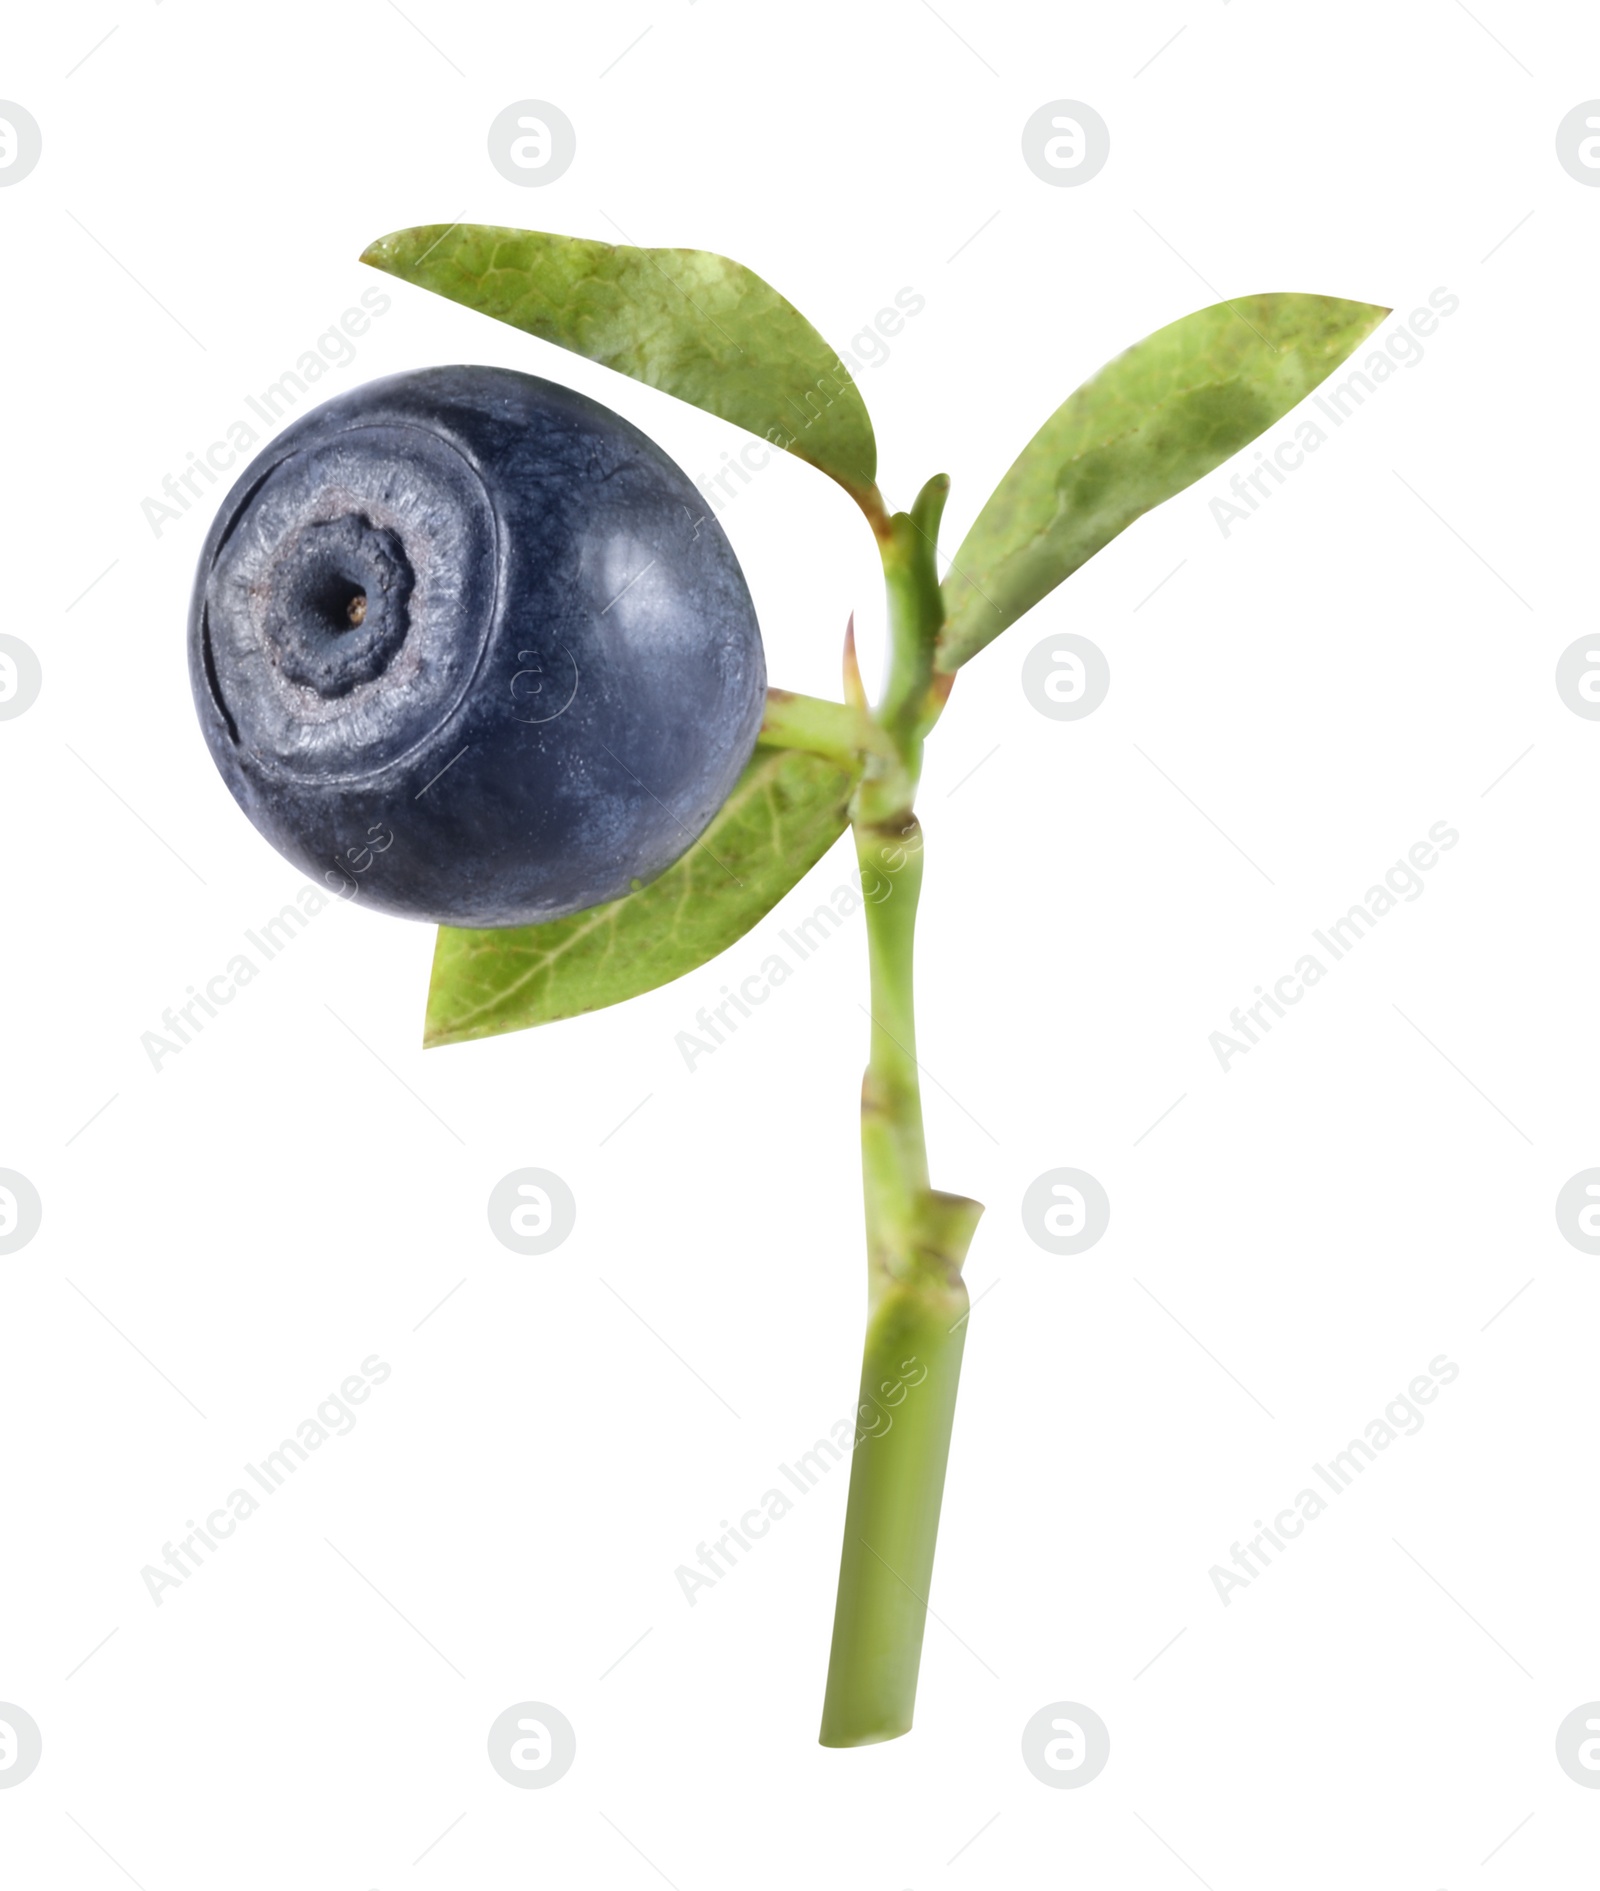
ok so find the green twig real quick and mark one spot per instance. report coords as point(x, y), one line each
point(917, 1236)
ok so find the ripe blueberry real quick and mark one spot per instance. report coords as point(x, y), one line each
point(470, 645)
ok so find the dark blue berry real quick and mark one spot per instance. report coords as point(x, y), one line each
point(469, 645)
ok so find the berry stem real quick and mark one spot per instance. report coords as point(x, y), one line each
point(840, 731)
point(917, 1236)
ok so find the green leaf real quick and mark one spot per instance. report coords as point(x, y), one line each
point(785, 812)
point(1159, 417)
point(686, 321)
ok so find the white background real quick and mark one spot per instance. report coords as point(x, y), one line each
point(302, 1185)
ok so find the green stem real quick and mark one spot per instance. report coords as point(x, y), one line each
point(839, 731)
point(917, 1237)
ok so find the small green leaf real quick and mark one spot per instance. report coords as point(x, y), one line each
point(1159, 417)
point(785, 812)
point(686, 321)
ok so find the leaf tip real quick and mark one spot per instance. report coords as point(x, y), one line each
point(402, 252)
point(382, 252)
